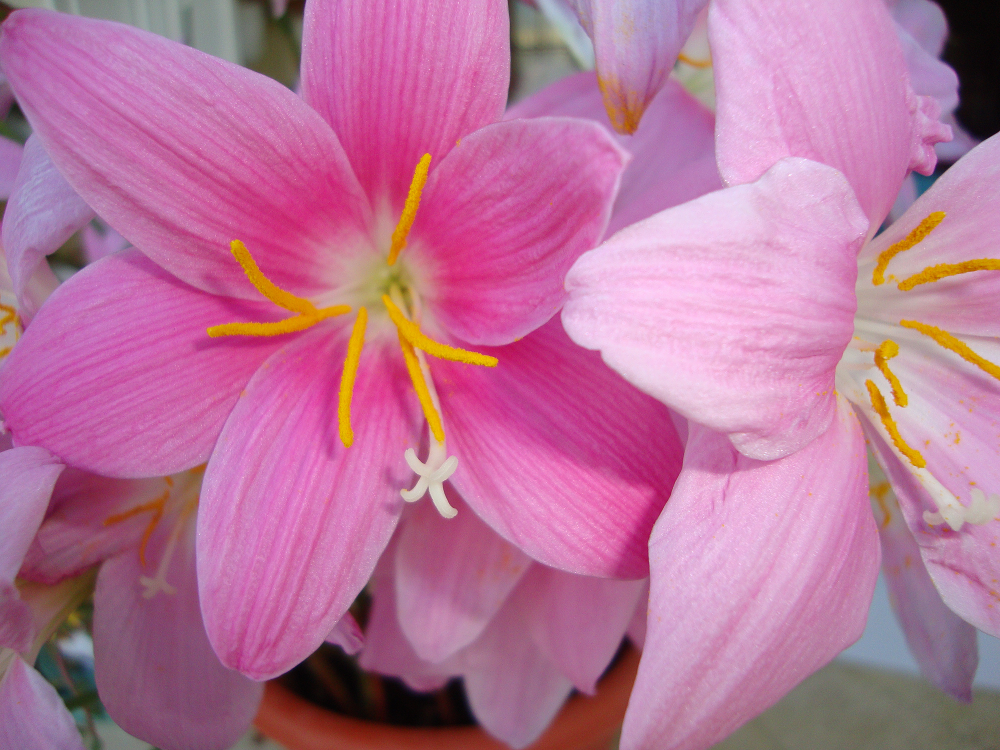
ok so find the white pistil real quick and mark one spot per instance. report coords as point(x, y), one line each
point(432, 475)
point(980, 510)
point(152, 586)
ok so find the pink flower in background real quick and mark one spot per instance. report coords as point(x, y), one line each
point(166, 371)
point(745, 310)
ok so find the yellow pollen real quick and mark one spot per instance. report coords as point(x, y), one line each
point(155, 507)
point(402, 230)
point(944, 270)
point(951, 343)
point(423, 392)
point(694, 63)
point(411, 332)
point(878, 404)
point(886, 351)
point(308, 314)
point(9, 316)
point(349, 375)
point(923, 229)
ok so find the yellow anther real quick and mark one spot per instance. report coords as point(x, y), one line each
point(886, 351)
point(308, 314)
point(878, 404)
point(923, 229)
point(694, 63)
point(9, 315)
point(423, 392)
point(879, 492)
point(951, 343)
point(411, 332)
point(402, 230)
point(349, 375)
point(944, 270)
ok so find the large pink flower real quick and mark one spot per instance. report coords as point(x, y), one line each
point(119, 373)
point(746, 311)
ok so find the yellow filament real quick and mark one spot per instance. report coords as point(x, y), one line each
point(349, 375)
point(923, 229)
point(423, 392)
point(9, 316)
point(156, 507)
point(951, 343)
point(878, 404)
point(402, 230)
point(943, 270)
point(411, 332)
point(879, 491)
point(886, 351)
point(694, 63)
point(308, 314)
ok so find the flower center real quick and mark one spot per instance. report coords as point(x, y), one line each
point(864, 353)
point(396, 293)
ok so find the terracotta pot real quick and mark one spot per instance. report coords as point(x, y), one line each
point(585, 722)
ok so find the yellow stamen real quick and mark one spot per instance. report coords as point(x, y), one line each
point(349, 375)
point(9, 316)
point(420, 385)
point(5, 351)
point(878, 404)
point(923, 229)
point(951, 343)
point(155, 507)
point(308, 314)
point(943, 270)
point(694, 63)
point(411, 332)
point(879, 492)
point(886, 351)
point(410, 208)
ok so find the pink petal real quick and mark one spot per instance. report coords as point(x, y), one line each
point(673, 150)
point(787, 72)
point(963, 564)
point(503, 218)
point(513, 689)
point(202, 152)
point(452, 576)
point(964, 303)
point(387, 650)
point(28, 477)
point(10, 160)
point(291, 522)
point(81, 528)
point(924, 21)
point(396, 84)
point(636, 43)
point(773, 566)
point(929, 76)
point(347, 634)
point(139, 389)
point(734, 308)
point(558, 454)
point(42, 213)
point(32, 715)
point(637, 626)
point(156, 673)
point(943, 644)
point(17, 627)
point(96, 243)
point(580, 621)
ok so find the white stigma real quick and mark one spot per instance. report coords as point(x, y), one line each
point(433, 474)
point(979, 511)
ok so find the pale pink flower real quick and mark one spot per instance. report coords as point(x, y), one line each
point(569, 465)
point(745, 311)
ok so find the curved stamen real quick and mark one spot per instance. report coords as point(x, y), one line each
point(412, 333)
point(308, 314)
point(409, 214)
point(921, 231)
point(348, 377)
point(944, 270)
point(953, 344)
point(886, 351)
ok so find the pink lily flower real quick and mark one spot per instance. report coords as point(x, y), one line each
point(312, 190)
point(746, 311)
point(636, 43)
